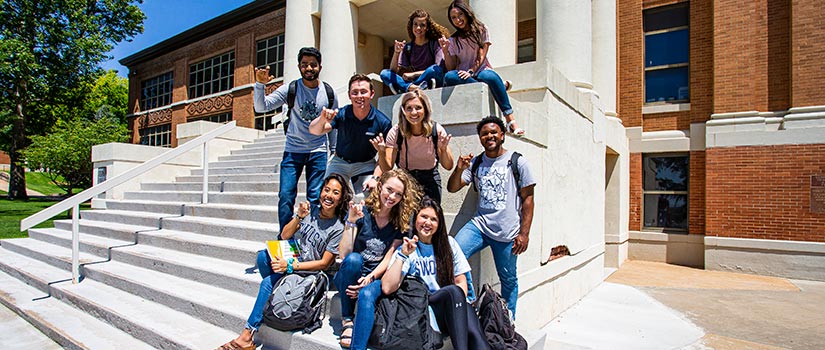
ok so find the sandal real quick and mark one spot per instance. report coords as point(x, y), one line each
point(517, 132)
point(232, 345)
point(347, 325)
point(508, 85)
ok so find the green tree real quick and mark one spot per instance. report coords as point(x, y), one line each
point(66, 152)
point(48, 50)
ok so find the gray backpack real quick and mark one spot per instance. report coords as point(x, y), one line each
point(298, 302)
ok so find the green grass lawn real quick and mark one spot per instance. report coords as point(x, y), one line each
point(40, 182)
point(11, 212)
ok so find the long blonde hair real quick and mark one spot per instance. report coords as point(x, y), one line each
point(400, 213)
point(404, 126)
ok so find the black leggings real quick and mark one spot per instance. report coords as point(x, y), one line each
point(457, 319)
point(430, 181)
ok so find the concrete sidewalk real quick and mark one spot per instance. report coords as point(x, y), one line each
point(648, 305)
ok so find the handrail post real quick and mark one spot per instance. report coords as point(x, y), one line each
point(205, 194)
point(76, 244)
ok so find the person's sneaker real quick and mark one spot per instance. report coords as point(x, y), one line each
point(433, 84)
point(424, 85)
point(392, 89)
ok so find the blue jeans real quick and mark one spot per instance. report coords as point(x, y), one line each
point(432, 72)
point(472, 240)
point(291, 167)
point(270, 278)
point(347, 275)
point(489, 77)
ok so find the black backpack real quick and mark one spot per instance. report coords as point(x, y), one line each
point(298, 302)
point(290, 99)
point(495, 321)
point(512, 163)
point(400, 140)
point(402, 320)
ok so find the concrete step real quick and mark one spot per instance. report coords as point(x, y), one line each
point(271, 186)
point(239, 170)
point(153, 323)
point(29, 270)
point(229, 275)
point(112, 230)
point(127, 216)
point(66, 325)
point(243, 198)
point(265, 142)
point(217, 306)
point(92, 244)
point(51, 254)
point(237, 229)
point(251, 156)
point(231, 178)
point(271, 160)
point(231, 249)
point(226, 211)
point(274, 150)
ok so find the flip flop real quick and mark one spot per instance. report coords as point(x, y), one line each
point(517, 132)
point(232, 345)
point(343, 337)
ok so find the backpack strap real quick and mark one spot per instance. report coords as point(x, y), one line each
point(473, 170)
point(434, 136)
point(290, 94)
point(400, 140)
point(513, 164)
point(330, 95)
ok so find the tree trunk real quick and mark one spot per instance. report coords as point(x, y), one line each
point(17, 176)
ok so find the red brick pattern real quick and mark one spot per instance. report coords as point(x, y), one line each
point(666, 121)
point(630, 55)
point(635, 192)
point(701, 60)
point(4, 158)
point(696, 193)
point(763, 192)
point(807, 50)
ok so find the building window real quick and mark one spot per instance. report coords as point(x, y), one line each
point(526, 50)
point(271, 53)
point(666, 54)
point(222, 118)
point(212, 75)
point(263, 121)
point(156, 92)
point(159, 135)
point(665, 191)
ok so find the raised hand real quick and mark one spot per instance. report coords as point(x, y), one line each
point(409, 245)
point(303, 209)
point(356, 211)
point(443, 142)
point(329, 114)
point(399, 46)
point(444, 43)
point(464, 161)
point(379, 144)
point(262, 75)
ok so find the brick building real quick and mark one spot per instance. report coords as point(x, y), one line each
point(719, 100)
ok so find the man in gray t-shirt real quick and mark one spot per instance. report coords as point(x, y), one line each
point(505, 206)
point(302, 149)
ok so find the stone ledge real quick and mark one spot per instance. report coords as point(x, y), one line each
point(788, 259)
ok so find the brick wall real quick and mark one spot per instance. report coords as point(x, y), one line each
point(696, 193)
point(666, 121)
point(764, 192)
point(4, 158)
point(701, 60)
point(630, 57)
point(635, 192)
point(808, 50)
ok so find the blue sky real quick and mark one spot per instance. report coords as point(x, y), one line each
point(165, 19)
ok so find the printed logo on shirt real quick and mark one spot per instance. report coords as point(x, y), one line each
point(374, 250)
point(310, 241)
point(425, 267)
point(492, 188)
point(308, 111)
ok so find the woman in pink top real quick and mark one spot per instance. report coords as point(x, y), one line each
point(416, 144)
point(465, 56)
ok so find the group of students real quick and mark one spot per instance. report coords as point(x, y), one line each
point(370, 236)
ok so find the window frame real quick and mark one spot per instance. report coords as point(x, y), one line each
point(215, 118)
point(645, 192)
point(276, 66)
point(663, 67)
point(159, 100)
point(156, 132)
point(198, 71)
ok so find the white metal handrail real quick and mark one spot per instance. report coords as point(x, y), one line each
point(73, 202)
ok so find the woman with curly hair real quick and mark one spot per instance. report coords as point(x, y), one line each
point(417, 144)
point(436, 258)
point(465, 56)
point(373, 230)
point(416, 64)
point(317, 230)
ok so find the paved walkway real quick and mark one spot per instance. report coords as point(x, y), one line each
point(648, 305)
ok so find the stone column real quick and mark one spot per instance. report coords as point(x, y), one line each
point(339, 40)
point(604, 54)
point(502, 24)
point(563, 31)
point(299, 31)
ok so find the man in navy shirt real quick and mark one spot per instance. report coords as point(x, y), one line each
point(356, 123)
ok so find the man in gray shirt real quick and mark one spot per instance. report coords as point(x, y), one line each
point(505, 205)
point(303, 149)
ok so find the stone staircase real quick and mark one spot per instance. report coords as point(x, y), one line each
point(160, 269)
